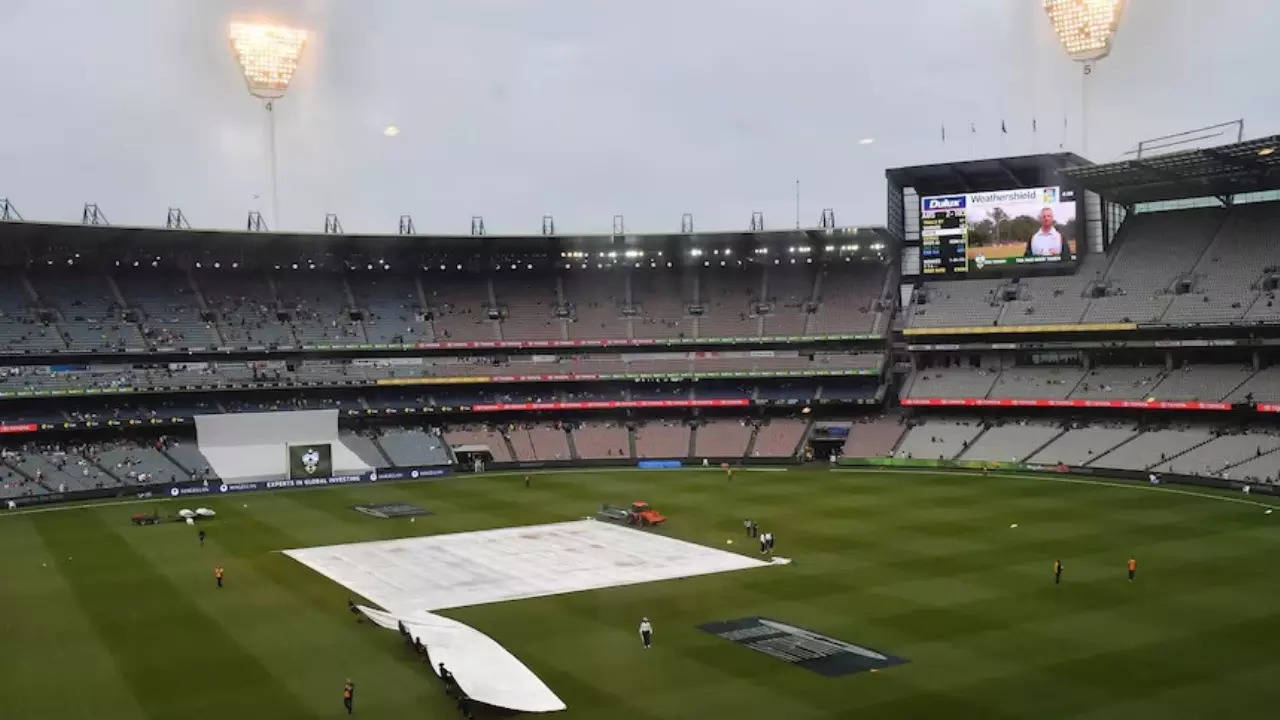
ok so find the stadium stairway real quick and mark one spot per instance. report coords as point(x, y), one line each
point(1180, 453)
point(804, 437)
point(106, 469)
point(350, 295)
point(573, 447)
point(1261, 297)
point(1000, 319)
point(506, 439)
point(751, 441)
point(124, 306)
point(1246, 461)
point(421, 294)
point(1047, 443)
point(382, 451)
point(965, 446)
point(813, 300)
point(30, 290)
point(1242, 383)
point(1071, 392)
point(691, 452)
point(190, 472)
point(203, 306)
point(1113, 448)
point(631, 442)
point(114, 287)
point(17, 468)
point(1222, 221)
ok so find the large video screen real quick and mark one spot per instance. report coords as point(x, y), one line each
point(997, 231)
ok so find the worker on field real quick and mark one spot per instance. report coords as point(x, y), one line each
point(1057, 572)
point(349, 696)
point(526, 481)
point(746, 525)
point(1133, 568)
point(646, 633)
point(201, 535)
point(217, 575)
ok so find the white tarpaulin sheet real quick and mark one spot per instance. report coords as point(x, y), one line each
point(411, 576)
point(487, 566)
point(253, 446)
point(482, 668)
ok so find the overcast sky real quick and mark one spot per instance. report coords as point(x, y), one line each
point(511, 109)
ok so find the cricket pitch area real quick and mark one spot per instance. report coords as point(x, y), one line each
point(438, 572)
point(411, 576)
point(951, 571)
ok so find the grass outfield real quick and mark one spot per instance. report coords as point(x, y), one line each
point(103, 620)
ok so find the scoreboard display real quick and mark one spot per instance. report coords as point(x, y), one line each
point(944, 236)
point(1001, 230)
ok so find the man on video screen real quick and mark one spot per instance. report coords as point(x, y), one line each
point(1047, 242)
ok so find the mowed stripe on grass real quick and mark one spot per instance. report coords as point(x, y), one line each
point(922, 566)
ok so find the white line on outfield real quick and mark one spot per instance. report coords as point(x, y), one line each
point(82, 506)
point(1076, 481)
point(500, 473)
point(572, 471)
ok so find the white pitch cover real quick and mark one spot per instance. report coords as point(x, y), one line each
point(410, 576)
point(435, 572)
point(484, 670)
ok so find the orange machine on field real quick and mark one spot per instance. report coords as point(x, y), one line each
point(638, 515)
point(643, 515)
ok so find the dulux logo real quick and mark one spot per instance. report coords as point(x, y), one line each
point(944, 203)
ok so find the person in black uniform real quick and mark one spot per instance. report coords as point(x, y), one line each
point(1057, 572)
point(349, 696)
point(201, 535)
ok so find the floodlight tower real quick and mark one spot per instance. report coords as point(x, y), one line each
point(1085, 29)
point(269, 55)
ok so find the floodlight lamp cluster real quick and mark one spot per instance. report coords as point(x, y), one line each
point(1085, 27)
point(268, 54)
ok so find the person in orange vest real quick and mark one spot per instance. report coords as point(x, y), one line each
point(1133, 568)
point(217, 574)
point(349, 696)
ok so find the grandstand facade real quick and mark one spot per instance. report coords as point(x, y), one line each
point(1152, 349)
point(435, 352)
point(1154, 353)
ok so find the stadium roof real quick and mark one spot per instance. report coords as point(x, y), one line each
point(1220, 171)
point(985, 175)
point(35, 235)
